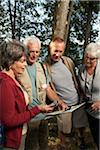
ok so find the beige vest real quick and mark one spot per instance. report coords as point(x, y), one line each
point(40, 83)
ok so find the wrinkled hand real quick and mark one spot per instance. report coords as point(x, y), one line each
point(45, 108)
point(63, 105)
point(96, 106)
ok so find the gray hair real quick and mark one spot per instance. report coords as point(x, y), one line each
point(32, 39)
point(93, 49)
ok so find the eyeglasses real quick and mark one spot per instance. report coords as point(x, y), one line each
point(91, 58)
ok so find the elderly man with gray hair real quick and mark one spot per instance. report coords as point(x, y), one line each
point(33, 79)
point(36, 82)
point(89, 76)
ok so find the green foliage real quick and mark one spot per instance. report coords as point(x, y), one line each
point(35, 17)
point(32, 17)
point(78, 28)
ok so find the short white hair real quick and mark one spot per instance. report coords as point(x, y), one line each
point(93, 49)
point(32, 39)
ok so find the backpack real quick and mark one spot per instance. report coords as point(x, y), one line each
point(1, 134)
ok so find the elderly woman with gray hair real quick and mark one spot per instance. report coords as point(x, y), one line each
point(89, 76)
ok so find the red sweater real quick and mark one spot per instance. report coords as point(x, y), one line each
point(13, 111)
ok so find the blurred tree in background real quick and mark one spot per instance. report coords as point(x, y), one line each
point(72, 20)
point(81, 31)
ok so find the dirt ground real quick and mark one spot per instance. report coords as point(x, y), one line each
point(54, 138)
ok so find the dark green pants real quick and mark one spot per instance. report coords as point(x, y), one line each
point(37, 136)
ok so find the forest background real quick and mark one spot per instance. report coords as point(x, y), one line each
point(77, 21)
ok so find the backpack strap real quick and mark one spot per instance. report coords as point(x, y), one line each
point(44, 70)
point(47, 65)
point(70, 65)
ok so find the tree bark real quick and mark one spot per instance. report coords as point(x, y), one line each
point(88, 27)
point(60, 18)
point(11, 18)
point(14, 24)
point(20, 20)
point(68, 21)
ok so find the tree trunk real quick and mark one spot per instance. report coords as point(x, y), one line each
point(20, 20)
point(88, 27)
point(14, 24)
point(68, 21)
point(60, 18)
point(11, 18)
